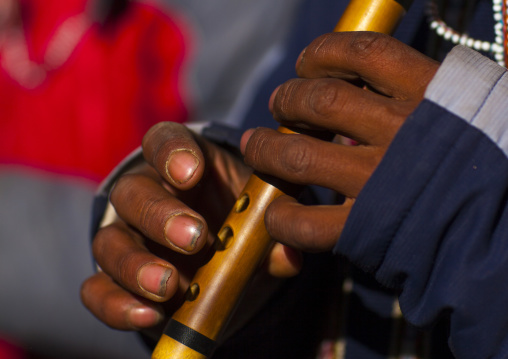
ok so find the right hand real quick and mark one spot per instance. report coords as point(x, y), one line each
point(168, 211)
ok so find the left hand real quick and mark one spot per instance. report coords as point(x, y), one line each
point(168, 210)
point(327, 97)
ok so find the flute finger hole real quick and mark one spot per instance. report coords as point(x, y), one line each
point(192, 292)
point(242, 203)
point(225, 238)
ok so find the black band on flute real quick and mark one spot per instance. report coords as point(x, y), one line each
point(189, 337)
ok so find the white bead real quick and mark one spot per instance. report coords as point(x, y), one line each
point(497, 7)
point(434, 24)
point(455, 38)
point(496, 48)
point(469, 42)
point(440, 31)
point(499, 40)
point(485, 46)
point(448, 35)
point(477, 45)
point(463, 39)
point(498, 17)
point(498, 57)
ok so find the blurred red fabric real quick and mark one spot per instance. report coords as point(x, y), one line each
point(10, 351)
point(92, 110)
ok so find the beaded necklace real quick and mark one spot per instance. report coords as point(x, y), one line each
point(498, 48)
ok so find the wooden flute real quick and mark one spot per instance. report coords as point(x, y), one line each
point(243, 240)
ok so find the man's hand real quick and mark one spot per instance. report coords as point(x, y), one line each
point(168, 211)
point(330, 95)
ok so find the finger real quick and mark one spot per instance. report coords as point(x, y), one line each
point(120, 254)
point(305, 160)
point(116, 307)
point(386, 64)
point(309, 228)
point(146, 205)
point(340, 107)
point(284, 261)
point(172, 150)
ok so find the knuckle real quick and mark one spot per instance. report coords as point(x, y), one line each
point(366, 46)
point(258, 142)
point(122, 186)
point(306, 232)
point(127, 193)
point(296, 156)
point(285, 97)
point(152, 133)
point(159, 128)
point(324, 97)
point(126, 268)
point(149, 214)
point(105, 244)
point(316, 47)
point(314, 236)
point(100, 241)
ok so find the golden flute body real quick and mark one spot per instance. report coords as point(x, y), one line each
point(243, 240)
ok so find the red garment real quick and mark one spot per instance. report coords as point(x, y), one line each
point(93, 110)
point(11, 351)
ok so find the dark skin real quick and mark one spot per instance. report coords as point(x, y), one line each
point(169, 211)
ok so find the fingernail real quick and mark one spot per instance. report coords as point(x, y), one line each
point(140, 316)
point(153, 278)
point(183, 231)
point(181, 165)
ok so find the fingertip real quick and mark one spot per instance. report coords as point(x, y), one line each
point(284, 261)
point(140, 316)
point(116, 307)
point(272, 98)
point(245, 139)
point(299, 61)
point(173, 151)
point(294, 257)
point(86, 290)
